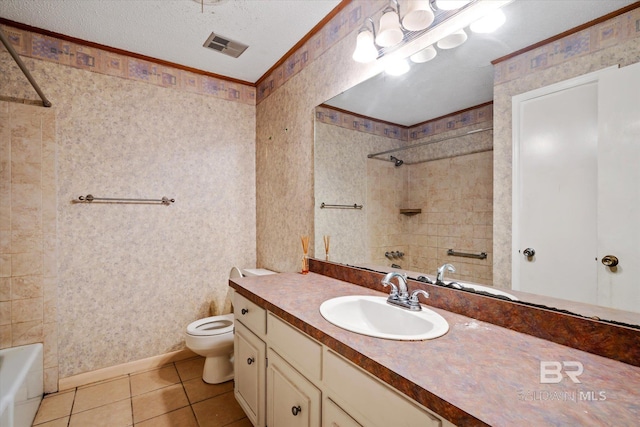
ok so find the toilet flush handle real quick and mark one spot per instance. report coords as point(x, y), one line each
point(244, 310)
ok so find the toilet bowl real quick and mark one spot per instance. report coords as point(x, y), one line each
point(212, 338)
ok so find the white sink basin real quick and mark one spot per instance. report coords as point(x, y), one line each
point(372, 316)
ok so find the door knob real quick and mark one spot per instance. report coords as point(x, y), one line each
point(610, 260)
point(529, 252)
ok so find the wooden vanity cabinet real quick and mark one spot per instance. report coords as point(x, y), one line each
point(250, 357)
point(284, 378)
point(292, 400)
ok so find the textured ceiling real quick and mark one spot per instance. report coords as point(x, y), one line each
point(175, 30)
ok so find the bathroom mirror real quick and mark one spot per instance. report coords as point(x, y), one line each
point(454, 81)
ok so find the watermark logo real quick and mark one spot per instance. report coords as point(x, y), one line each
point(551, 372)
point(554, 372)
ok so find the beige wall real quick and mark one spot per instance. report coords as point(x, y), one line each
point(131, 277)
point(284, 154)
point(616, 41)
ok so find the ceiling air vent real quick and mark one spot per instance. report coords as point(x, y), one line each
point(225, 45)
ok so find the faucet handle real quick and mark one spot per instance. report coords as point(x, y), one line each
point(394, 289)
point(414, 303)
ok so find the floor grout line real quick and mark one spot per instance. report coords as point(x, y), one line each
point(130, 385)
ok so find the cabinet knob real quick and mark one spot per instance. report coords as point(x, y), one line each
point(244, 310)
point(610, 260)
point(250, 360)
point(295, 410)
point(529, 252)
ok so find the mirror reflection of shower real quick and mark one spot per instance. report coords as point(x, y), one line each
point(396, 160)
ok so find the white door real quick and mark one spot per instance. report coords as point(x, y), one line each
point(577, 189)
point(555, 181)
point(619, 188)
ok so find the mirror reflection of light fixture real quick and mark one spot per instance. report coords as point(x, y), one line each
point(425, 55)
point(397, 67)
point(451, 4)
point(390, 32)
point(419, 15)
point(454, 39)
point(489, 23)
point(366, 50)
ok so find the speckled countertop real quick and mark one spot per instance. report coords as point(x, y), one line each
point(476, 374)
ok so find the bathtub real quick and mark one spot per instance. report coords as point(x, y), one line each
point(21, 384)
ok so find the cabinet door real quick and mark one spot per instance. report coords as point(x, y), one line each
point(334, 416)
point(292, 401)
point(249, 371)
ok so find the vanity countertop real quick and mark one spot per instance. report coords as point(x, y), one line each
point(476, 374)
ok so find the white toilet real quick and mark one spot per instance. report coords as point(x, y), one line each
point(212, 337)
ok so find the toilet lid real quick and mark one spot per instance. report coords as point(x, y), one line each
point(215, 325)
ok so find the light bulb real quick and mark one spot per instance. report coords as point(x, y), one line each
point(390, 33)
point(453, 40)
point(365, 49)
point(489, 23)
point(425, 55)
point(419, 15)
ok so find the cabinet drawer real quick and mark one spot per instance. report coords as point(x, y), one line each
point(298, 349)
point(379, 406)
point(250, 315)
point(334, 416)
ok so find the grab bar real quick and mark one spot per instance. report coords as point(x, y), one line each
point(89, 198)
point(326, 206)
point(481, 255)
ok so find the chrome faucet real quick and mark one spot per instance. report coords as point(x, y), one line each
point(399, 295)
point(441, 270)
point(401, 292)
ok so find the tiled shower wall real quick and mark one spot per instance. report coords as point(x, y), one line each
point(130, 277)
point(28, 231)
point(454, 192)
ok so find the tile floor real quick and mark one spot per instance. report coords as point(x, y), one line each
point(171, 396)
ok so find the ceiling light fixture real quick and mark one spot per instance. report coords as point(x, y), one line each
point(415, 34)
point(453, 40)
point(390, 32)
point(366, 50)
point(425, 55)
point(419, 15)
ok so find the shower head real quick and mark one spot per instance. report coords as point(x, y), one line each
point(397, 161)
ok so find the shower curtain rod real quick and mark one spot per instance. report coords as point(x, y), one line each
point(25, 71)
point(420, 144)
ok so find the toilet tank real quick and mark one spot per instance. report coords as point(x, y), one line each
point(256, 272)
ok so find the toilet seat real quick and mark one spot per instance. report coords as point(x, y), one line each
point(215, 325)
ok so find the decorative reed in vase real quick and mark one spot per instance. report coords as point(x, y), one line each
point(305, 256)
point(326, 247)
